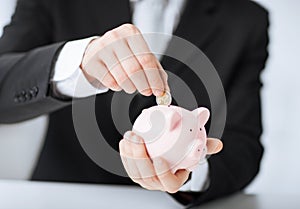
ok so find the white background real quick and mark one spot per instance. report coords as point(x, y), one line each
point(281, 102)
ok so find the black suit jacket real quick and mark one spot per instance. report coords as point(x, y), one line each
point(232, 33)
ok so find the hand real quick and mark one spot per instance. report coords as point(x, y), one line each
point(150, 174)
point(154, 174)
point(121, 60)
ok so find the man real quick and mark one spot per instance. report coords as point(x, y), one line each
point(39, 64)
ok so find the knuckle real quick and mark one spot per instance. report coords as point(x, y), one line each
point(116, 70)
point(105, 36)
point(101, 44)
point(147, 60)
point(121, 78)
point(131, 28)
point(127, 25)
point(134, 69)
point(108, 39)
point(113, 35)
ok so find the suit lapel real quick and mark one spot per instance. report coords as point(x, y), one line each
point(197, 25)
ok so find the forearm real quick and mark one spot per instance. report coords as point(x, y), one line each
point(25, 90)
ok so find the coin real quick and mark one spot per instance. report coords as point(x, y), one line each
point(165, 99)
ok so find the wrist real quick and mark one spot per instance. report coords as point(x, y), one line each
point(68, 74)
point(89, 52)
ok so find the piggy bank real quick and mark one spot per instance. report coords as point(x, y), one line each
point(175, 134)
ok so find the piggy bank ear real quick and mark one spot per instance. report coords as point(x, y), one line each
point(175, 120)
point(202, 114)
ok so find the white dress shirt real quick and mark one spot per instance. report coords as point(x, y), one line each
point(67, 71)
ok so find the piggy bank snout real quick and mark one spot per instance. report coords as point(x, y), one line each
point(199, 149)
point(196, 151)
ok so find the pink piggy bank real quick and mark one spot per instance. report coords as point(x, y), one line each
point(175, 134)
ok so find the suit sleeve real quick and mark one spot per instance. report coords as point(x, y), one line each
point(27, 55)
point(237, 165)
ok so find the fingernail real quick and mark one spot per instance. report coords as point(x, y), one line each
point(147, 92)
point(158, 92)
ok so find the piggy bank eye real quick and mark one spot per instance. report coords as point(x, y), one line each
point(191, 130)
point(200, 129)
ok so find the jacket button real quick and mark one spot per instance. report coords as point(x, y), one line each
point(21, 98)
point(23, 93)
point(28, 96)
point(16, 99)
point(34, 91)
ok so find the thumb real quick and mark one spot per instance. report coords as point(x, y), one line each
point(213, 146)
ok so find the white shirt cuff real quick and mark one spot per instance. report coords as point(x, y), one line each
point(68, 77)
point(199, 180)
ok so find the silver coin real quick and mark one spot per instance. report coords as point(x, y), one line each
point(165, 99)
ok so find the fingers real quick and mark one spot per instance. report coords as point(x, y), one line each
point(144, 163)
point(127, 160)
point(133, 68)
point(123, 61)
point(98, 70)
point(139, 153)
point(171, 182)
point(117, 71)
point(153, 76)
point(213, 146)
point(137, 163)
point(148, 62)
point(152, 175)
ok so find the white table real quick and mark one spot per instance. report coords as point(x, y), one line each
point(37, 195)
point(262, 201)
